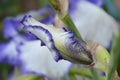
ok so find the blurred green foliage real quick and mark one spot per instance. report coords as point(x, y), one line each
point(13, 7)
point(8, 8)
point(5, 71)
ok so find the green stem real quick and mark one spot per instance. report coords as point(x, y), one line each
point(67, 20)
point(95, 74)
point(114, 60)
point(85, 73)
point(72, 76)
point(37, 78)
point(118, 67)
point(81, 72)
point(62, 78)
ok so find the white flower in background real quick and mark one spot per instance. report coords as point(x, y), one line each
point(94, 23)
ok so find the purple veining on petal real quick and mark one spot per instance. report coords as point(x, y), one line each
point(65, 29)
point(24, 19)
point(42, 44)
point(58, 56)
point(17, 47)
point(76, 47)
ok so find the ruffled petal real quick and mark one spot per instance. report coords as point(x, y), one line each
point(12, 25)
point(61, 43)
point(46, 37)
point(38, 60)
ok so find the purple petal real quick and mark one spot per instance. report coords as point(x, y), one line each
point(9, 27)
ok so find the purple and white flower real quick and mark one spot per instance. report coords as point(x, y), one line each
point(25, 52)
point(92, 22)
point(63, 44)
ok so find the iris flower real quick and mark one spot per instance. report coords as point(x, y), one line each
point(63, 44)
point(91, 21)
point(24, 51)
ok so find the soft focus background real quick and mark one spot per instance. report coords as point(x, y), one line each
point(14, 7)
